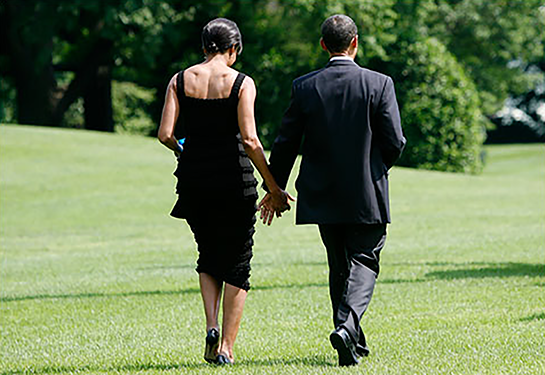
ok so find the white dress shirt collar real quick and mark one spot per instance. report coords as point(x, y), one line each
point(341, 58)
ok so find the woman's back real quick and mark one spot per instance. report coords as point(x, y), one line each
point(208, 100)
point(204, 82)
point(213, 149)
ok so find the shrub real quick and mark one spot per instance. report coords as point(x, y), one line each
point(8, 110)
point(440, 109)
point(131, 105)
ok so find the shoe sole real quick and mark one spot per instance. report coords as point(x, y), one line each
point(345, 357)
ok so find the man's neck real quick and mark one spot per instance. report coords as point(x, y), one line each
point(341, 56)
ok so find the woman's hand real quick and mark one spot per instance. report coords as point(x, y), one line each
point(275, 203)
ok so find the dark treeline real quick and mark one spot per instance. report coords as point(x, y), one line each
point(104, 65)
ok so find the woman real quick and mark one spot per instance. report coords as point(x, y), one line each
point(216, 186)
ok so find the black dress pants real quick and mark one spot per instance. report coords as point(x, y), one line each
point(353, 254)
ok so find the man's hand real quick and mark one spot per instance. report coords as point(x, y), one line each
point(274, 204)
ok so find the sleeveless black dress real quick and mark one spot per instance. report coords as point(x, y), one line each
point(216, 186)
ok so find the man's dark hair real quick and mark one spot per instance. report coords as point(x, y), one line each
point(337, 32)
point(221, 34)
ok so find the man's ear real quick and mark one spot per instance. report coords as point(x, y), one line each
point(322, 43)
point(354, 42)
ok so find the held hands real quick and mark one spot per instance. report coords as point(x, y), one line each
point(274, 204)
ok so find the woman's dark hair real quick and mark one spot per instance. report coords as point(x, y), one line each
point(219, 35)
point(337, 32)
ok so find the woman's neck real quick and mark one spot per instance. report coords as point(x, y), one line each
point(217, 59)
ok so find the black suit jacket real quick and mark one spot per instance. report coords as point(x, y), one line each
point(347, 119)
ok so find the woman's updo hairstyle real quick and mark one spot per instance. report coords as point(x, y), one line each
point(219, 35)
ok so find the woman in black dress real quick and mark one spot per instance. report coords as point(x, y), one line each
point(216, 186)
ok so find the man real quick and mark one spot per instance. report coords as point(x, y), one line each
point(347, 119)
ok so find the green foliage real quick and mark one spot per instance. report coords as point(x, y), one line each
point(494, 41)
point(131, 105)
point(496, 44)
point(75, 115)
point(7, 102)
point(440, 109)
point(97, 278)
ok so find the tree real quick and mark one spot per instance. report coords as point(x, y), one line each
point(59, 51)
point(30, 58)
point(495, 41)
point(63, 50)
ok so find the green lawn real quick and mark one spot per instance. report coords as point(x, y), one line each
point(95, 277)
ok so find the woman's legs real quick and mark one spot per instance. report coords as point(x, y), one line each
point(233, 305)
point(211, 297)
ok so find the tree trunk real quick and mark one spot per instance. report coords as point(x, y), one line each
point(98, 101)
point(31, 64)
point(39, 100)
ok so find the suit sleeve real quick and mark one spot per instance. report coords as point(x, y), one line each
point(388, 126)
point(287, 143)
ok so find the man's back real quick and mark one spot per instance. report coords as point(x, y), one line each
point(348, 122)
point(348, 119)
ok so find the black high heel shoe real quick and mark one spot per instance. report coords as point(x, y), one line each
point(222, 359)
point(211, 347)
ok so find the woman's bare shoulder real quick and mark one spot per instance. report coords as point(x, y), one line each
point(248, 81)
point(248, 84)
point(172, 83)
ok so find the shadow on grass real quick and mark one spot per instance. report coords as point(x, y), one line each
point(538, 316)
point(473, 270)
point(500, 270)
point(319, 361)
point(470, 271)
point(148, 293)
point(100, 295)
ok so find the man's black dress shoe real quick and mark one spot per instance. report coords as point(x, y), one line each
point(222, 359)
point(362, 349)
point(342, 342)
point(212, 343)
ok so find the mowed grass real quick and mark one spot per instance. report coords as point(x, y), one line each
point(95, 277)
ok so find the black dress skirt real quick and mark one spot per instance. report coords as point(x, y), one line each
point(216, 186)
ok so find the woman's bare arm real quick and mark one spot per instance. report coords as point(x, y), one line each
point(252, 144)
point(171, 110)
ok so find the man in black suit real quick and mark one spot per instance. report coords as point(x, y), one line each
point(347, 119)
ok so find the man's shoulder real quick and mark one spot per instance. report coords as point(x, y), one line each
point(370, 76)
point(373, 73)
point(307, 77)
point(375, 77)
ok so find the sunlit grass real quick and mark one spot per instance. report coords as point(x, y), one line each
point(95, 277)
